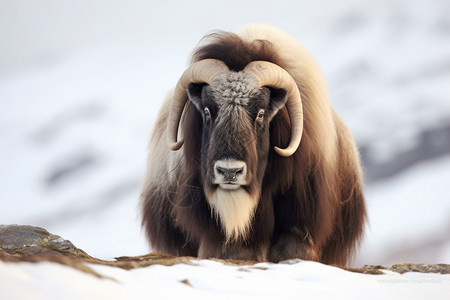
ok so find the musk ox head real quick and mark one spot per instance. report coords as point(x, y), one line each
point(236, 109)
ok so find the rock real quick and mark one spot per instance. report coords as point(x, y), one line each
point(29, 240)
point(23, 243)
point(421, 268)
point(291, 261)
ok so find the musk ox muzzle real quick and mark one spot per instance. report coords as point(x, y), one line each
point(230, 174)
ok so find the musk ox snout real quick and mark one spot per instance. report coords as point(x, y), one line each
point(230, 174)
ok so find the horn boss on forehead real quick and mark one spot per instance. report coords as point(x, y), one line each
point(265, 169)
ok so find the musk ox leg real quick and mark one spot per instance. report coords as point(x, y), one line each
point(293, 245)
point(217, 249)
point(159, 226)
point(246, 253)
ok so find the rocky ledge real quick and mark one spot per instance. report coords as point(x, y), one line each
point(20, 243)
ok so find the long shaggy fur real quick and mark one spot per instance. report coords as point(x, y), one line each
point(309, 206)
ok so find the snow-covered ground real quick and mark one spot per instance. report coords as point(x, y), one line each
point(81, 83)
point(209, 279)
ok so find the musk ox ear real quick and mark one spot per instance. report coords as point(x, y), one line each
point(194, 92)
point(278, 98)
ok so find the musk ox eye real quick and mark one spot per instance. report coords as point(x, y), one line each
point(207, 114)
point(260, 116)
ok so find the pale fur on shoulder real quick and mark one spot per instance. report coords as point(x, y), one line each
point(163, 165)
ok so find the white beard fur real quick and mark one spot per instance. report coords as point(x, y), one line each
point(235, 209)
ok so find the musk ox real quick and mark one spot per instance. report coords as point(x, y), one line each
point(247, 159)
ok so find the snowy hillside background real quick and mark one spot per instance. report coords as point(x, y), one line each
point(82, 81)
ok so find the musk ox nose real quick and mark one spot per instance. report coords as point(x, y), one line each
point(230, 171)
point(229, 174)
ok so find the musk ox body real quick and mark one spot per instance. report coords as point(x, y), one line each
point(248, 160)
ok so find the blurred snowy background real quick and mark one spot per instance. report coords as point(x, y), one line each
point(82, 81)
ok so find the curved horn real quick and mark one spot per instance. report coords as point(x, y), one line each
point(203, 71)
point(269, 74)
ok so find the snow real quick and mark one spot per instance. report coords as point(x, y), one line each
point(209, 279)
point(421, 207)
point(81, 84)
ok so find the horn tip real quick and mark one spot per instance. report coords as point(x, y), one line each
point(284, 152)
point(177, 145)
